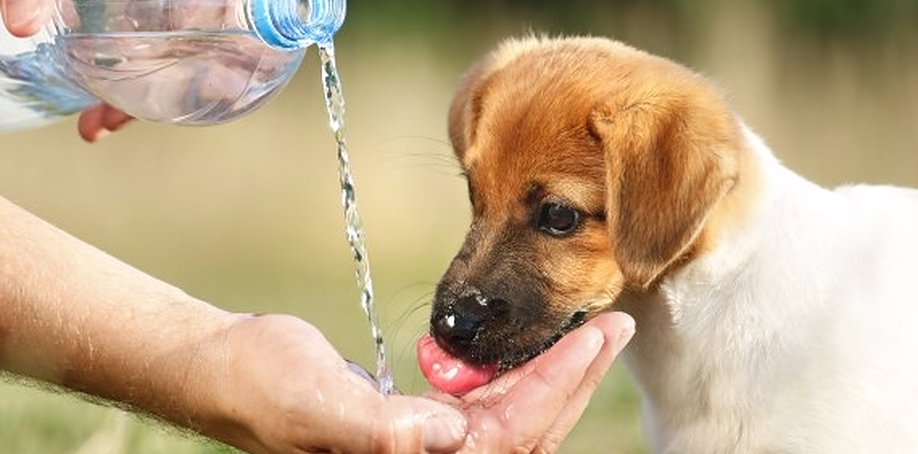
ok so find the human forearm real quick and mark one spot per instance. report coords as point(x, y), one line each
point(75, 316)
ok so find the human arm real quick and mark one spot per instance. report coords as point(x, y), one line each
point(76, 317)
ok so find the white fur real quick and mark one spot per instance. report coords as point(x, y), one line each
point(797, 333)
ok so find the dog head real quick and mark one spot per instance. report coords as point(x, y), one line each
point(593, 168)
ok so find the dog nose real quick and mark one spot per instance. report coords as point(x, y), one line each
point(461, 323)
point(458, 329)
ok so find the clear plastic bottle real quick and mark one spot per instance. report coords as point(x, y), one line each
point(192, 62)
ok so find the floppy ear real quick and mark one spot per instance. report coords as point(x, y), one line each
point(465, 110)
point(668, 163)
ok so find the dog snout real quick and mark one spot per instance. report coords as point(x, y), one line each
point(460, 325)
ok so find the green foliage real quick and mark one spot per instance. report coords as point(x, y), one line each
point(822, 18)
point(851, 19)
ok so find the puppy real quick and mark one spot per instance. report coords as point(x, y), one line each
point(773, 315)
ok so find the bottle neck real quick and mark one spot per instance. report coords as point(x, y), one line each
point(296, 23)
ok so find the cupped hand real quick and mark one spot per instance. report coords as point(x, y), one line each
point(24, 18)
point(279, 387)
point(534, 407)
point(284, 389)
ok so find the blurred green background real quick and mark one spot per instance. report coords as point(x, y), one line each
point(247, 215)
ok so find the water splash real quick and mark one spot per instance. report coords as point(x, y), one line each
point(334, 100)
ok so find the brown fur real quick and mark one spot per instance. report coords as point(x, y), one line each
point(643, 148)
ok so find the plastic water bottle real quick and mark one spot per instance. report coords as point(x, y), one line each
point(193, 62)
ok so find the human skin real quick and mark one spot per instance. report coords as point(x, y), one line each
point(77, 317)
point(25, 17)
point(74, 316)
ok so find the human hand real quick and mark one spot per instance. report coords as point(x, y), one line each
point(24, 18)
point(533, 407)
point(99, 120)
point(284, 389)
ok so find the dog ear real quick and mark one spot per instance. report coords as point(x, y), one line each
point(468, 103)
point(668, 164)
point(465, 110)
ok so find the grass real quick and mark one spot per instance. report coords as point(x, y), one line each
point(247, 215)
point(37, 420)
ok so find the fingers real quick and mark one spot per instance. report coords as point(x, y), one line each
point(515, 411)
point(556, 377)
point(98, 121)
point(90, 125)
point(293, 392)
point(534, 407)
point(25, 17)
point(371, 423)
point(617, 329)
point(426, 425)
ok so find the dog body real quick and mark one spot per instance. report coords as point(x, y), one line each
point(794, 334)
point(773, 316)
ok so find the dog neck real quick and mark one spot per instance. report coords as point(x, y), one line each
point(700, 329)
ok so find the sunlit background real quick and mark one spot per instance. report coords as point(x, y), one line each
point(247, 215)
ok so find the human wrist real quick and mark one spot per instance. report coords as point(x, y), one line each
point(216, 406)
point(164, 364)
point(188, 385)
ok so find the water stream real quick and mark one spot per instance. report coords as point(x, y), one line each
point(334, 100)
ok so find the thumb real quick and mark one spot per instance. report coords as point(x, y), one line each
point(410, 424)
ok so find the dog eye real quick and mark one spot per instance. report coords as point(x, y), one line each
point(558, 219)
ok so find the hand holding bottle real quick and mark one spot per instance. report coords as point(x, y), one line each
point(169, 61)
point(24, 18)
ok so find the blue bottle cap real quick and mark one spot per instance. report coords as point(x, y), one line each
point(279, 23)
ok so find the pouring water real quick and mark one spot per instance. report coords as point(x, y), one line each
point(356, 237)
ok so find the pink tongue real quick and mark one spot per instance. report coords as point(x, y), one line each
point(448, 373)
